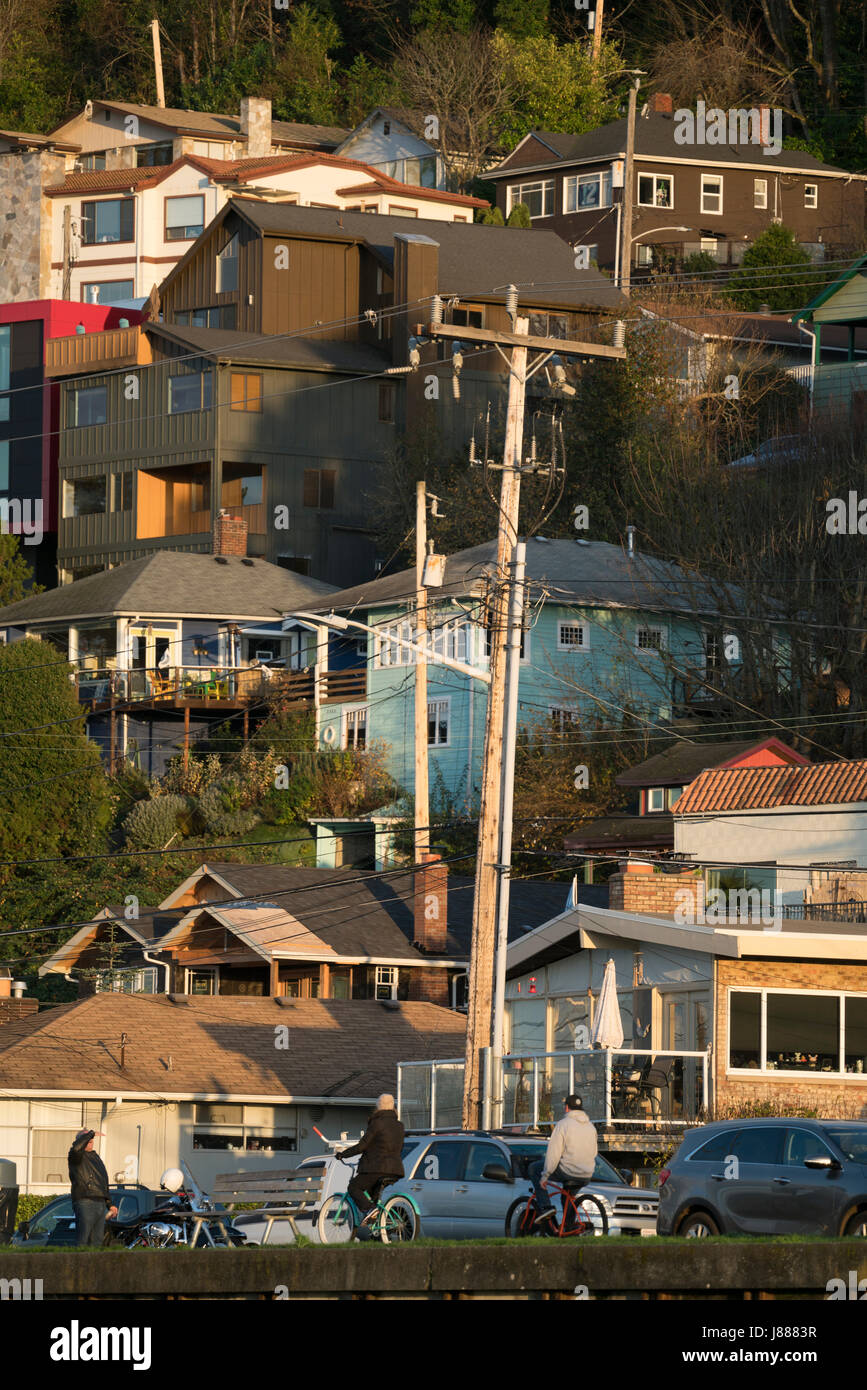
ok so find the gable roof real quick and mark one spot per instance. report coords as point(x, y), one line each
point(475, 261)
point(214, 126)
point(763, 788)
point(682, 761)
point(362, 915)
point(223, 1045)
point(173, 584)
point(592, 572)
point(149, 925)
point(858, 269)
point(654, 139)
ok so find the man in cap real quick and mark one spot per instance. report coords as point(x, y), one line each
point(91, 1200)
point(569, 1158)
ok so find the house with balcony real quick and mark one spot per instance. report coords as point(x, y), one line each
point(162, 644)
point(715, 198)
point(296, 933)
point(273, 312)
point(611, 630)
point(717, 1016)
point(654, 786)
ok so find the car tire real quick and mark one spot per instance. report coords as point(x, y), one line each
point(856, 1225)
point(695, 1224)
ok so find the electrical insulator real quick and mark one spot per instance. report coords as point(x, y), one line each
point(456, 387)
point(436, 312)
point(473, 449)
point(512, 302)
point(619, 334)
point(414, 354)
point(457, 356)
point(559, 370)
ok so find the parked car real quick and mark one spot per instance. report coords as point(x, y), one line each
point(767, 1177)
point(55, 1223)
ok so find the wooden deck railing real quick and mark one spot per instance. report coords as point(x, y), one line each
point(179, 686)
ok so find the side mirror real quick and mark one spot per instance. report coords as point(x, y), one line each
point(822, 1161)
point(495, 1172)
point(628, 1176)
point(23, 1229)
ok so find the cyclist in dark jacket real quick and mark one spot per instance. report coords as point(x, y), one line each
point(380, 1148)
point(91, 1200)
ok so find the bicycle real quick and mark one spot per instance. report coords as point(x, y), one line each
point(395, 1220)
point(582, 1214)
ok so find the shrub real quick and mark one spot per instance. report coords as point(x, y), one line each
point(199, 773)
point(152, 824)
point(699, 263)
point(519, 216)
point(285, 806)
point(222, 811)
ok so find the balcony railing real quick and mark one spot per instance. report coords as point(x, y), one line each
point(850, 911)
point(182, 685)
point(78, 353)
point(634, 1087)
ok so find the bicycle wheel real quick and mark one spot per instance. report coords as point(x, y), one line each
point(519, 1219)
point(336, 1223)
point(398, 1221)
point(592, 1214)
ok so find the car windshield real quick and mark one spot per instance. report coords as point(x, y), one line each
point(851, 1142)
point(49, 1217)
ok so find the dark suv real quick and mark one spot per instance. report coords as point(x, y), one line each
point(55, 1223)
point(767, 1177)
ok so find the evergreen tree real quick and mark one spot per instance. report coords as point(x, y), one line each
point(776, 271)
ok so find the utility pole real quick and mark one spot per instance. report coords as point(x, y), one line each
point(158, 63)
point(597, 30)
point(422, 785)
point(628, 182)
point(499, 736)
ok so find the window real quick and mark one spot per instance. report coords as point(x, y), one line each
point(563, 718)
point(650, 639)
point(88, 405)
point(656, 190)
point(673, 794)
point(214, 316)
point(760, 1145)
point(801, 1040)
point(422, 171)
point(396, 210)
point(573, 637)
point(227, 267)
point(802, 1029)
point(242, 487)
point(245, 1128)
point(391, 650)
point(760, 193)
point(479, 1155)
point(385, 983)
point(568, 1015)
point(298, 564)
point(811, 195)
point(386, 401)
point(856, 1033)
point(245, 391)
point(112, 220)
point(121, 492)
point(147, 156)
point(655, 799)
point(449, 639)
point(86, 163)
point(438, 723)
point(527, 1026)
point(192, 391)
point(716, 1149)
point(745, 1028)
point(711, 193)
point(587, 191)
point(549, 325)
point(538, 197)
point(643, 255)
point(107, 291)
point(802, 1144)
point(468, 318)
point(185, 217)
point(319, 487)
point(48, 1162)
point(127, 982)
point(212, 149)
point(4, 465)
point(355, 727)
point(441, 1160)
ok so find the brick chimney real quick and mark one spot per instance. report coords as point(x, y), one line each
point(636, 888)
point(661, 104)
point(430, 905)
point(256, 126)
point(230, 535)
point(5, 985)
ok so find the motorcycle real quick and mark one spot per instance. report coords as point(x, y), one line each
point(171, 1224)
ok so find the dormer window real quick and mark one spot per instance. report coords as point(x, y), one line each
point(655, 799)
point(386, 127)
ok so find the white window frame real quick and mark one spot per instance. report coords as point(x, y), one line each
point(386, 977)
point(483, 649)
point(760, 193)
point(227, 256)
point(811, 195)
point(657, 178)
point(350, 717)
point(712, 193)
point(441, 701)
point(654, 810)
point(571, 184)
point(583, 627)
point(650, 627)
point(514, 195)
point(102, 984)
point(565, 717)
point(643, 254)
point(764, 990)
point(390, 642)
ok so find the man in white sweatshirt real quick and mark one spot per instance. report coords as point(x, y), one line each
point(570, 1156)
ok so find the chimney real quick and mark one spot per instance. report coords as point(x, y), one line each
point(764, 125)
point(661, 104)
point(430, 905)
point(230, 535)
point(5, 985)
point(256, 126)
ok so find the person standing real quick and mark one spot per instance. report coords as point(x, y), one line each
point(91, 1199)
point(380, 1163)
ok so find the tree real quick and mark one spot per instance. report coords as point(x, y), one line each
point(724, 64)
point(14, 572)
point(491, 217)
point(554, 86)
point(777, 272)
point(519, 217)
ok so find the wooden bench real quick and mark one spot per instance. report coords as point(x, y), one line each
point(287, 1192)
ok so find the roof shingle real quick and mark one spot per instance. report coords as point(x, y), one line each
point(763, 788)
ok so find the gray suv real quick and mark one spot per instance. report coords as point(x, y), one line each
point(767, 1177)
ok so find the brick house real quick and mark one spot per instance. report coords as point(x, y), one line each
point(709, 197)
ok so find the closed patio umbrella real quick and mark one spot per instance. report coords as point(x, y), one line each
point(607, 1028)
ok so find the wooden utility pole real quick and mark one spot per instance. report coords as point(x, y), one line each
point(499, 747)
point(597, 30)
point(158, 63)
point(628, 182)
point(422, 793)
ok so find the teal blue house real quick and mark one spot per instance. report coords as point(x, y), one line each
point(608, 633)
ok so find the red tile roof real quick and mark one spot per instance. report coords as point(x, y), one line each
point(763, 788)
